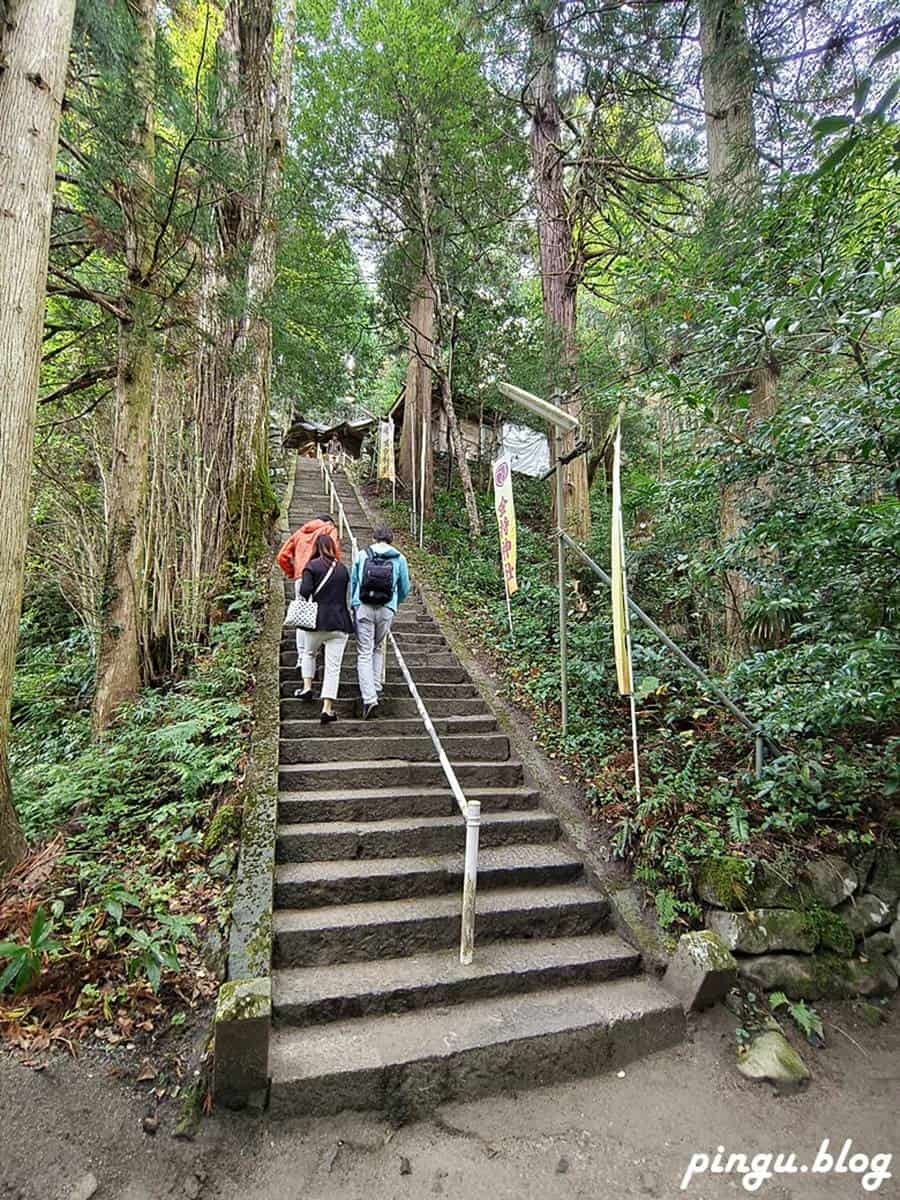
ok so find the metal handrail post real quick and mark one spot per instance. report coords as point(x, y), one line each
point(470, 882)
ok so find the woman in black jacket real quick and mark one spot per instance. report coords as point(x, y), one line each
point(327, 581)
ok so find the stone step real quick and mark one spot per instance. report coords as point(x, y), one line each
point(392, 773)
point(313, 995)
point(480, 747)
point(357, 881)
point(407, 640)
point(479, 723)
point(409, 637)
point(395, 675)
point(379, 804)
point(394, 689)
point(401, 837)
point(393, 706)
point(440, 657)
point(398, 928)
point(409, 1063)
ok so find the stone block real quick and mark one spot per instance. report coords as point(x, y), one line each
point(829, 881)
point(865, 914)
point(762, 930)
point(771, 1057)
point(243, 1026)
point(702, 970)
point(802, 977)
point(872, 976)
point(885, 881)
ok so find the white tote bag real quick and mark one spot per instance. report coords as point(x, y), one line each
point(302, 613)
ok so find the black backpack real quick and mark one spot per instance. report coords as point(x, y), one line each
point(377, 583)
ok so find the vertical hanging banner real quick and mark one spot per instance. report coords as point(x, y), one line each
point(506, 521)
point(621, 638)
point(386, 469)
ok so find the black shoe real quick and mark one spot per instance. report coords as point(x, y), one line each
point(327, 718)
point(299, 694)
point(369, 710)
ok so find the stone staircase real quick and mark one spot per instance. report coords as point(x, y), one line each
point(371, 1007)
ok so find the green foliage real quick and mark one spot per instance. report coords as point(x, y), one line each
point(135, 807)
point(805, 1018)
point(24, 960)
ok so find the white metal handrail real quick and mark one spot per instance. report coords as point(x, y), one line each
point(470, 809)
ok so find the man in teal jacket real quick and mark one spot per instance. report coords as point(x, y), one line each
point(373, 620)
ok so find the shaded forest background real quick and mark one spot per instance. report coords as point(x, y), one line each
point(686, 210)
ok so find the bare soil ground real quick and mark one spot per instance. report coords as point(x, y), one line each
point(597, 1139)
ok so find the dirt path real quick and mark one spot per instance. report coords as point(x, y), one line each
point(598, 1139)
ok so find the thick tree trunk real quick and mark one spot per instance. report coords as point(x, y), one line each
point(409, 436)
point(734, 180)
point(120, 658)
point(560, 273)
point(417, 402)
point(727, 71)
point(34, 50)
point(234, 367)
point(459, 452)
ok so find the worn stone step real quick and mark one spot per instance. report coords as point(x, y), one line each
point(454, 674)
point(409, 640)
point(397, 928)
point(409, 1063)
point(356, 881)
point(385, 773)
point(479, 723)
point(415, 654)
point(380, 804)
point(313, 995)
point(479, 747)
point(439, 657)
point(390, 707)
point(393, 689)
point(306, 508)
point(400, 837)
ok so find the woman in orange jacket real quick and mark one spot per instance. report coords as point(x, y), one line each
point(298, 550)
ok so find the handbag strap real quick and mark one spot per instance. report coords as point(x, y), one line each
point(324, 581)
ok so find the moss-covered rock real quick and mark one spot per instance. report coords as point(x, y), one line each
point(225, 826)
point(872, 976)
point(770, 1057)
point(702, 969)
point(831, 930)
point(724, 882)
point(801, 977)
point(761, 930)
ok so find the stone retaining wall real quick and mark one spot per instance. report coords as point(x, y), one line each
point(831, 929)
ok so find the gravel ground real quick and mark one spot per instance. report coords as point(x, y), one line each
point(597, 1139)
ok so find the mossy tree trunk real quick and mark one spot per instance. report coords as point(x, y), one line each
point(560, 269)
point(234, 364)
point(735, 188)
point(120, 660)
point(34, 50)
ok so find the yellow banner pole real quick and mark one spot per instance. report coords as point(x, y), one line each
point(619, 581)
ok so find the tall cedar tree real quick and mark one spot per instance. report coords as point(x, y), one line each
point(560, 273)
point(34, 50)
point(120, 660)
point(734, 185)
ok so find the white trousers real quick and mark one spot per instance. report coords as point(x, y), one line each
point(335, 644)
point(372, 627)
